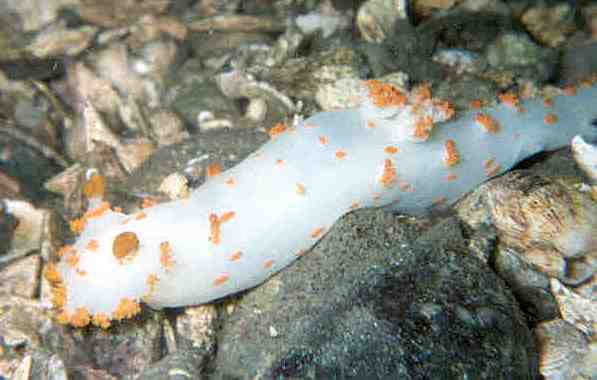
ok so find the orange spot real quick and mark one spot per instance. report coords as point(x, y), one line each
point(92, 245)
point(125, 245)
point(277, 130)
point(98, 211)
point(72, 259)
point(388, 176)
point(306, 125)
point(140, 215)
point(125, 221)
point(491, 167)
point(126, 308)
point(423, 128)
point(77, 225)
point(300, 189)
point(384, 94)
point(215, 223)
point(548, 102)
point(101, 320)
point(317, 232)
point(509, 99)
point(94, 187)
point(227, 216)
point(213, 169)
point(370, 124)
point(451, 177)
point(569, 90)
point(475, 104)
point(80, 317)
point(323, 140)
point(279, 162)
point(151, 281)
point(487, 123)
point(229, 181)
point(391, 149)
point(451, 156)
point(550, 119)
point(221, 278)
point(354, 205)
point(236, 255)
point(149, 202)
point(52, 275)
point(268, 263)
point(340, 154)
point(166, 260)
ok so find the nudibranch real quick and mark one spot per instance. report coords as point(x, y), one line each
point(402, 150)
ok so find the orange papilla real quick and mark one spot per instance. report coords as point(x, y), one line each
point(487, 123)
point(300, 189)
point(317, 232)
point(277, 130)
point(213, 169)
point(95, 186)
point(509, 99)
point(126, 308)
point(80, 317)
point(446, 108)
point(92, 245)
point(268, 263)
point(451, 156)
point(422, 93)
point(384, 94)
point(391, 149)
point(148, 202)
point(340, 154)
point(423, 128)
point(52, 275)
point(101, 320)
point(550, 119)
point(214, 225)
point(166, 259)
point(388, 176)
point(221, 278)
point(475, 104)
point(125, 245)
point(235, 256)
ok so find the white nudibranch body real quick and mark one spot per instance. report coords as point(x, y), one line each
point(249, 222)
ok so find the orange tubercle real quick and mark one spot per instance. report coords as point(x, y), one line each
point(101, 320)
point(277, 130)
point(300, 189)
point(391, 149)
point(125, 246)
point(423, 128)
point(550, 119)
point(487, 123)
point(80, 317)
point(340, 154)
point(213, 169)
point(451, 156)
point(221, 279)
point(166, 259)
point(384, 94)
point(388, 176)
point(127, 308)
point(94, 187)
point(317, 232)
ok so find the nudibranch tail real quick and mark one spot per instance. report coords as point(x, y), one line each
point(402, 150)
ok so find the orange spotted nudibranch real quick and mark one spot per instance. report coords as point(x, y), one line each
point(402, 150)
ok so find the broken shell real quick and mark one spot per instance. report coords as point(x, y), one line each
point(562, 349)
point(585, 155)
point(577, 310)
point(532, 211)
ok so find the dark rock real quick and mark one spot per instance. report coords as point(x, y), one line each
point(367, 304)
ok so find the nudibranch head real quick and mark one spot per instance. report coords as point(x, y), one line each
point(383, 104)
